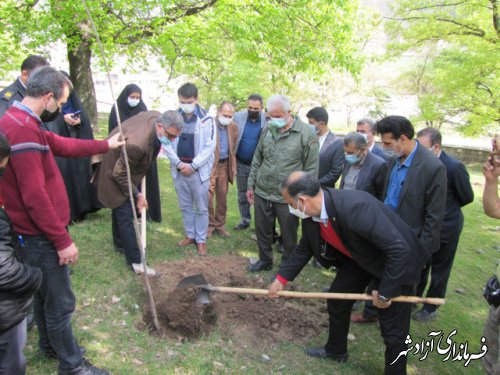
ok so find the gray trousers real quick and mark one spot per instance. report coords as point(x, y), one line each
point(266, 213)
point(193, 202)
point(12, 343)
point(242, 173)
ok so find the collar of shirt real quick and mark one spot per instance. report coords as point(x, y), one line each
point(323, 216)
point(372, 146)
point(321, 139)
point(21, 82)
point(409, 159)
point(26, 109)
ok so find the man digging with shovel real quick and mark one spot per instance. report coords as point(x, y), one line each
point(365, 240)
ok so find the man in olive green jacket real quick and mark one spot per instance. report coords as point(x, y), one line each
point(286, 145)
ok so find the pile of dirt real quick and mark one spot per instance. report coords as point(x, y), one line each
point(251, 319)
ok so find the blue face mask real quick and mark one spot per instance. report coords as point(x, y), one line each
point(277, 122)
point(165, 142)
point(352, 159)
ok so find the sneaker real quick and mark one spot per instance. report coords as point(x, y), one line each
point(423, 315)
point(138, 268)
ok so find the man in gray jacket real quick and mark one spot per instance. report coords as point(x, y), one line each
point(191, 159)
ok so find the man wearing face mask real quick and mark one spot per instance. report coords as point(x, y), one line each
point(286, 145)
point(17, 90)
point(365, 240)
point(145, 133)
point(363, 170)
point(250, 124)
point(459, 193)
point(37, 204)
point(224, 169)
point(191, 159)
point(415, 188)
point(366, 126)
point(331, 153)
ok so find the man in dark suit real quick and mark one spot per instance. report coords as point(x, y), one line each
point(17, 90)
point(363, 170)
point(459, 194)
point(145, 133)
point(366, 240)
point(415, 187)
point(331, 152)
point(366, 126)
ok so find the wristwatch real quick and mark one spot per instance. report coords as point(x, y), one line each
point(383, 299)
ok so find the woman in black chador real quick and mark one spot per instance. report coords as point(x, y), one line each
point(130, 104)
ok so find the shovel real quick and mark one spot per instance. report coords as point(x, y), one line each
point(205, 288)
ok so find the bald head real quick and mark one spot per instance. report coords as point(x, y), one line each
point(303, 189)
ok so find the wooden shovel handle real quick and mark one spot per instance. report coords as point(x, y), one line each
point(351, 296)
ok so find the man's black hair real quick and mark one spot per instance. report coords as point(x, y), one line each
point(306, 184)
point(318, 114)
point(188, 90)
point(433, 134)
point(256, 97)
point(32, 62)
point(397, 126)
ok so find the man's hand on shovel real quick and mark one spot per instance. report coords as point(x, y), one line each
point(274, 288)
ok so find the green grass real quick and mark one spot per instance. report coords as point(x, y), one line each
point(113, 340)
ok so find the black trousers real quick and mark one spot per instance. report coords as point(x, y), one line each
point(440, 265)
point(266, 213)
point(124, 232)
point(394, 321)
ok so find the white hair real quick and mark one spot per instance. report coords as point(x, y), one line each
point(278, 101)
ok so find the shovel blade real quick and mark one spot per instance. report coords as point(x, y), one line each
point(198, 280)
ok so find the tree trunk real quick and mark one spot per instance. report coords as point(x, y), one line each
point(79, 56)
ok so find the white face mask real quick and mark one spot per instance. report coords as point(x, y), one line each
point(224, 121)
point(297, 212)
point(188, 108)
point(133, 102)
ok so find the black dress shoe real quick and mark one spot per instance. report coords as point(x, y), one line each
point(323, 354)
point(260, 266)
point(51, 353)
point(242, 226)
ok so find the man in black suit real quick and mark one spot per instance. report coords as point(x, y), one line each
point(331, 152)
point(415, 188)
point(366, 126)
point(366, 240)
point(17, 90)
point(459, 194)
point(363, 170)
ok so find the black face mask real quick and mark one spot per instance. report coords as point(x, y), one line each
point(253, 115)
point(47, 116)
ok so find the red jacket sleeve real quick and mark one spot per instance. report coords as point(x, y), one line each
point(74, 148)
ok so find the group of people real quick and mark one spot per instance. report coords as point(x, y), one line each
point(394, 220)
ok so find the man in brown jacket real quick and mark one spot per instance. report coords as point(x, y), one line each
point(145, 133)
point(224, 169)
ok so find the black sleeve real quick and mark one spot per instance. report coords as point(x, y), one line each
point(336, 165)
point(15, 277)
point(461, 185)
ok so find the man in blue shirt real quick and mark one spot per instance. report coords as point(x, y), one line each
point(250, 124)
point(415, 188)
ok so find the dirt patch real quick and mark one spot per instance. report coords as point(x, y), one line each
point(246, 318)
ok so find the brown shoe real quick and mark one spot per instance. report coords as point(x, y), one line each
point(201, 248)
point(223, 233)
point(185, 242)
point(359, 318)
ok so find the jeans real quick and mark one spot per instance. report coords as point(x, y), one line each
point(54, 303)
point(12, 343)
point(124, 237)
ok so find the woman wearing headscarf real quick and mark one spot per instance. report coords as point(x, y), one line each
point(73, 122)
point(130, 104)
